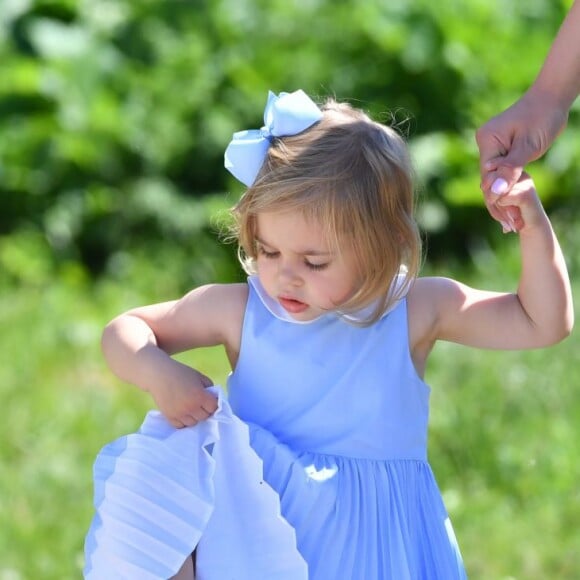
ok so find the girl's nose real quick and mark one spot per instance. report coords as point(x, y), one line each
point(288, 274)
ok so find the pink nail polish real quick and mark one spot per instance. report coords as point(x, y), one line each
point(499, 186)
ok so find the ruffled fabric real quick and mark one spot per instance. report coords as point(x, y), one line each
point(162, 491)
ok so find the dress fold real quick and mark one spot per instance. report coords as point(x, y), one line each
point(159, 491)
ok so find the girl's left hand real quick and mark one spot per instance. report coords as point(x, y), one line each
point(517, 209)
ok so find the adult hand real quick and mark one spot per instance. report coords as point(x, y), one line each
point(519, 135)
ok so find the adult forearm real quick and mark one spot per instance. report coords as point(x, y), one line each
point(559, 77)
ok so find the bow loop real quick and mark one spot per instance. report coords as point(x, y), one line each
point(287, 114)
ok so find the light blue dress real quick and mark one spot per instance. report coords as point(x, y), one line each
point(336, 417)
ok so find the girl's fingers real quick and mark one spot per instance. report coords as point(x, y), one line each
point(209, 403)
point(206, 381)
point(505, 206)
point(189, 421)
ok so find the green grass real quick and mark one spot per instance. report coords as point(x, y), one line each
point(503, 440)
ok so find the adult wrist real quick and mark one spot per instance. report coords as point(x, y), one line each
point(557, 96)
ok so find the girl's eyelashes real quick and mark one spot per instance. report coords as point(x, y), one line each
point(315, 266)
point(272, 255)
point(267, 254)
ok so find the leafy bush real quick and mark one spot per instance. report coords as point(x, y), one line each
point(114, 114)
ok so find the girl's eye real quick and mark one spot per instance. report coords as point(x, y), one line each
point(316, 266)
point(275, 254)
point(266, 254)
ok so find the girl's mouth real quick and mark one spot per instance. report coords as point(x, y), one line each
point(292, 306)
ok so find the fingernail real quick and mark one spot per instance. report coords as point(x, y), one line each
point(499, 186)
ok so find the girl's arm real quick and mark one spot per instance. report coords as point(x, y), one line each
point(539, 314)
point(138, 346)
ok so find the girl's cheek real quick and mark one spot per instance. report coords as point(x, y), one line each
point(263, 267)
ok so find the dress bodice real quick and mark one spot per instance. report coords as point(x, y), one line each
point(330, 386)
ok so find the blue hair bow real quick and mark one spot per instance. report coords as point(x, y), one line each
point(287, 114)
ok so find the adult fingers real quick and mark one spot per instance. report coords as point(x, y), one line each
point(501, 214)
point(503, 172)
point(506, 215)
point(493, 141)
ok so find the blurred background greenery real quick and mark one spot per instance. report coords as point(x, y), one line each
point(114, 115)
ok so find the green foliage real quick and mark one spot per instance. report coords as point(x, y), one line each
point(114, 114)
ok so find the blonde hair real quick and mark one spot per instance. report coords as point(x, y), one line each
point(352, 176)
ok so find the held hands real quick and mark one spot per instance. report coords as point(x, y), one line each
point(522, 133)
point(521, 203)
point(519, 135)
point(183, 397)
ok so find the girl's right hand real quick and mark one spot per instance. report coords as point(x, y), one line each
point(182, 397)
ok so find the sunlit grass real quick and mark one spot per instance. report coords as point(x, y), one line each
point(503, 436)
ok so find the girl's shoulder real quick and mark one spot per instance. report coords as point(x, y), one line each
point(429, 299)
point(227, 300)
point(215, 310)
point(229, 295)
point(433, 288)
point(229, 304)
point(431, 295)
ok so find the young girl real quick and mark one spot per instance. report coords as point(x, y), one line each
point(316, 464)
